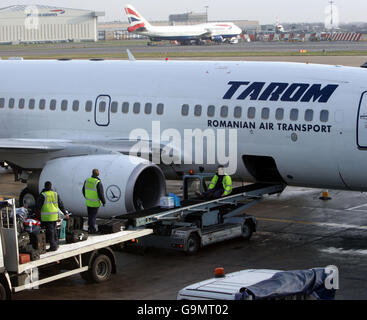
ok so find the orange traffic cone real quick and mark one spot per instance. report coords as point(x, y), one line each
point(325, 195)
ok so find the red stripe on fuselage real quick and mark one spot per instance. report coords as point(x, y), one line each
point(223, 25)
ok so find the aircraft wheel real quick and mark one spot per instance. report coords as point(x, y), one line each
point(28, 198)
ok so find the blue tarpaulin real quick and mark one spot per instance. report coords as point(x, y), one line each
point(290, 283)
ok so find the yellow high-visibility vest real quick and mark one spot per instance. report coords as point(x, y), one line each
point(227, 184)
point(91, 194)
point(50, 208)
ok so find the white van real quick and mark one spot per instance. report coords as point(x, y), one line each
point(309, 284)
point(224, 287)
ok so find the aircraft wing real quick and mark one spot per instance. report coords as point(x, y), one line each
point(42, 150)
point(207, 33)
point(124, 146)
point(38, 145)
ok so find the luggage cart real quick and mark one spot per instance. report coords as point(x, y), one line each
point(93, 258)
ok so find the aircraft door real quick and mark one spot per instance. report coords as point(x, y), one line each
point(362, 122)
point(102, 110)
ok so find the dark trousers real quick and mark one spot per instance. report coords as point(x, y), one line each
point(213, 193)
point(92, 216)
point(51, 234)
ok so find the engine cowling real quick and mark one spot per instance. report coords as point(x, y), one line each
point(127, 181)
point(218, 39)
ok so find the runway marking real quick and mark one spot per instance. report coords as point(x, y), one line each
point(333, 250)
point(321, 224)
point(360, 206)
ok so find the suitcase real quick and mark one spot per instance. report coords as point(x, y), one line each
point(112, 226)
point(76, 236)
point(33, 254)
point(38, 241)
point(69, 224)
point(62, 232)
point(74, 223)
point(32, 225)
point(23, 241)
point(78, 223)
point(24, 258)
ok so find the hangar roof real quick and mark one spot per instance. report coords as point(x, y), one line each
point(22, 8)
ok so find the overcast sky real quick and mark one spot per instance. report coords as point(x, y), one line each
point(266, 11)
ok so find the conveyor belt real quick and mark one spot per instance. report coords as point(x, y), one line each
point(252, 191)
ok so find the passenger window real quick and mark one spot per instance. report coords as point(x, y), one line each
point(88, 106)
point(76, 105)
point(148, 108)
point(64, 105)
point(265, 113)
point(31, 104)
point(160, 108)
point(125, 107)
point(185, 109)
point(11, 103)
point(2, 102)
point(53, 104)
point(279, 114)
point(237, 112)
point(251, 112)
point(136, 108)
point(211, 111)
point(294, 114)
point(21, 103)
point(324, 116)
point(309, 115)
point(197, 110)
point(224, 112)
point(102, 106)
point(114, 106)
point(42, 104)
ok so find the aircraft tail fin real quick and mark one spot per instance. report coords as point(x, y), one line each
point(136, 20)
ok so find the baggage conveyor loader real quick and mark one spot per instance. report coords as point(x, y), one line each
point(198, 223)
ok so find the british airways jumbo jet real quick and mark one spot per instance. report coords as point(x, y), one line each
point(297, 124)
point(214, 30)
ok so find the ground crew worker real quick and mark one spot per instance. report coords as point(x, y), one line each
point(220, 185)
point(93, 194)
point(47, 210)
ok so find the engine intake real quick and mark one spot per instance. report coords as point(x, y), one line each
point(130, 183)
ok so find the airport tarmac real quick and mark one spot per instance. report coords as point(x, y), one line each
point(296, 230)
point(115, 47)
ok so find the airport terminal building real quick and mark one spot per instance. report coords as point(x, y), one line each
point(40, 23)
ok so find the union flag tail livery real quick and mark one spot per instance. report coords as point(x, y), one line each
point(136, 20)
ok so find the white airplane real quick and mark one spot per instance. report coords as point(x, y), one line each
point(217, 31)
point(297, 124)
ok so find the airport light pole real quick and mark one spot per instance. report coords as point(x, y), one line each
point(206, 11)
point(331, 15)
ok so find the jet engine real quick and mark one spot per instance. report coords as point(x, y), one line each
point(129, 183)
point(218, 39)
